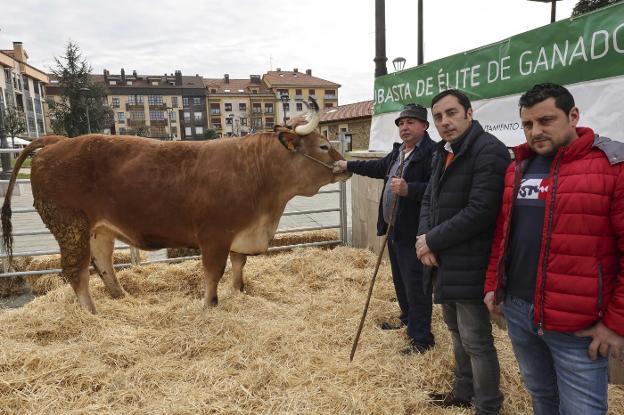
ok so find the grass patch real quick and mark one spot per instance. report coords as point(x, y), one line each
point(27, 162)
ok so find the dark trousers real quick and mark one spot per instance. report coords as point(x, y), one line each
point(407, 275)
point(477, 372)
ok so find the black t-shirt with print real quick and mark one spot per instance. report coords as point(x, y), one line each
point(527, 224)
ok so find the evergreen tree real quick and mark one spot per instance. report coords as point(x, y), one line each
point(584, 6)
point(78, 95)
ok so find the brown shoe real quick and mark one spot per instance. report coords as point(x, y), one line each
point(446, 400)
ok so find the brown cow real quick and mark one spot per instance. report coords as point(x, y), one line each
point(222, 196)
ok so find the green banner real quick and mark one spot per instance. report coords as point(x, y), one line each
point(567, 52)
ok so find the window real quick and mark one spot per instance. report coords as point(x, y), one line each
point(198, 116)
point(311, 92)
point(299, 106)
point(213, 90)
point(199, 130)
point(215, 109)
point(121, 117)
point(135, 99)
point(115, 102)
point(228, 106)
point(112, 82)
point(257, 122)
point(268, 108)
point(187, 132)
point(128, 82)
point(174, 102)
point(157, 115)
point(137, 115)
point(37, 105)
point(155, 83)
point(216, 123)
point(329, 105)
point(256, 108)
point(269, 122)
point(282, 92)
point(185, 101)
point(243, 121)
point(330, 93)
point(187, 116)
point(242, 107)
point(172, 115)
point(155, 100)
point(298, 93)
point(196, 101)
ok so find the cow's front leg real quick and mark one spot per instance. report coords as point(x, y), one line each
point(214, 259)
point(238, 262)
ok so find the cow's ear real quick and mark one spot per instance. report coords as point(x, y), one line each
point(289, 140)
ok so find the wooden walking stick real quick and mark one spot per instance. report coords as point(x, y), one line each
point(395, 203)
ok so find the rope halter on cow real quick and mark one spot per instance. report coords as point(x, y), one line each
point(302, 125)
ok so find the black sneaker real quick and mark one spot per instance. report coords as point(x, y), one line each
point(386, 325)
point(446, 400)
point(416, 349)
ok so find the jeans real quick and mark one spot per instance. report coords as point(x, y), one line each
point(415, 305)
point(477, 371)
point(555, 367)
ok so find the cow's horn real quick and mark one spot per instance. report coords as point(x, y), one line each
point(312, 118)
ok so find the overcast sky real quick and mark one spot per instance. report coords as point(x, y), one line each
point(334, 38)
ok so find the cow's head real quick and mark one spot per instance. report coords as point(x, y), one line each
point(317, 153)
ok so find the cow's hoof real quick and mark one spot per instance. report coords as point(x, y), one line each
point(211, 303)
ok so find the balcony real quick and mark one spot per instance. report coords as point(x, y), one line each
point(135, 107)
point(216, 126)
point(299, 97)
point(136, 123)
point(269, 111)
point(215, 112)
point(158, 122)
point(331, 96)
point(157, 106)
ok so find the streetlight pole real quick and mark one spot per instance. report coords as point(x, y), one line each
point(553, 8)
point(86, 91)
point(420, 32)
point(169, 112)
point(284, 99)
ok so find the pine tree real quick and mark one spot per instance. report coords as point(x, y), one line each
point(584, 6)
point(78, 94)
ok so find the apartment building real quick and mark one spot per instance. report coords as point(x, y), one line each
point(238, 107)
point(23, 87)
point(291, 88)
point(185, 107)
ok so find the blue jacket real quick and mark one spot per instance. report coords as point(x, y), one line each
point(416, 175)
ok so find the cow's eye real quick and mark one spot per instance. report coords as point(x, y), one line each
point(325, 147)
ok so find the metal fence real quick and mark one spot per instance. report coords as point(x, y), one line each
point(135, 257)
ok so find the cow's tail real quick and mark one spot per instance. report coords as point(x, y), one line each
point(7, 226)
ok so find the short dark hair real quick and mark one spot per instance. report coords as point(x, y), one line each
point(461, 97)
point(541, 92)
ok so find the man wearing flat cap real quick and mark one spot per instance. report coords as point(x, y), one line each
point(417, 148)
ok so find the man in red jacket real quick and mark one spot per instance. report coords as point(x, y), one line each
point(558, 255)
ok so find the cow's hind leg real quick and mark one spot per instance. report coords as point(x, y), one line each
point(238, 262)
point(70, 227)
point(214, 259)
point(102, 245)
